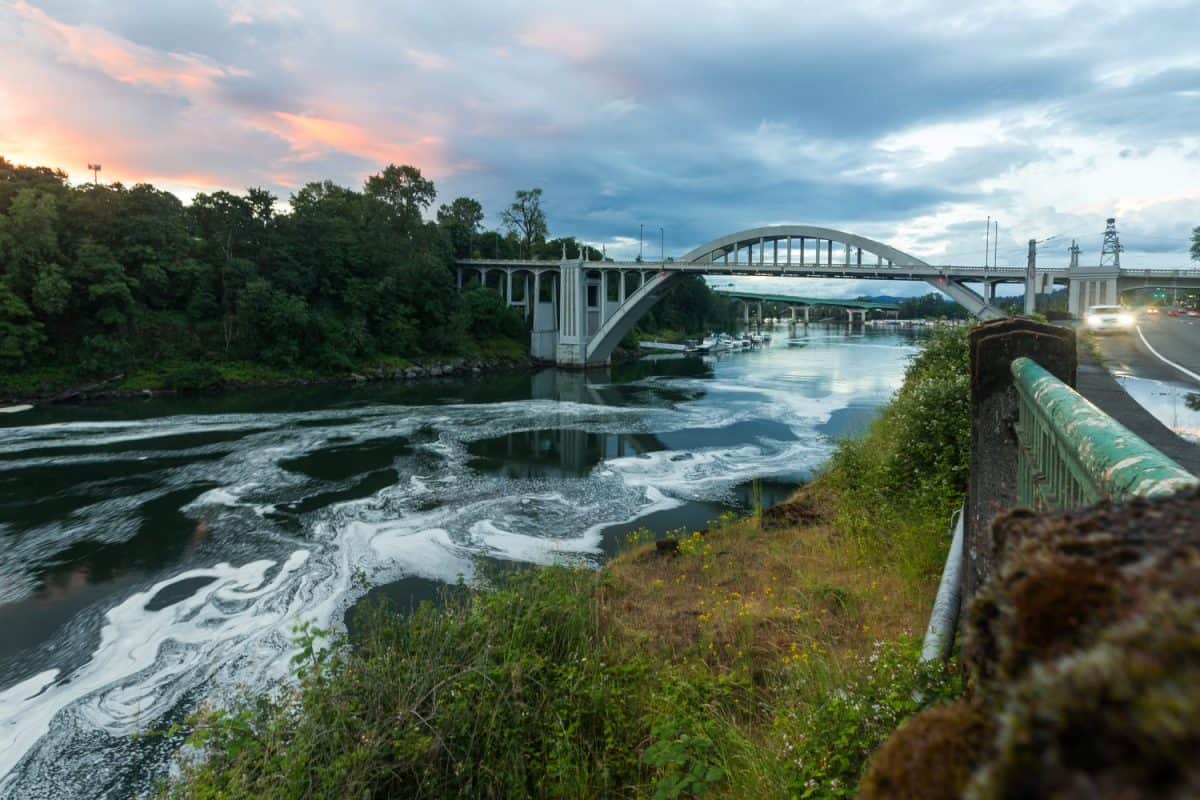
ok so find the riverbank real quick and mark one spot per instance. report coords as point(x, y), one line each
point(192, 377)
point(767, 656)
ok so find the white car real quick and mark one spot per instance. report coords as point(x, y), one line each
point(1108, 318)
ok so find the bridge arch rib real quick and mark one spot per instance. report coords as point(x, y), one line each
point(637, 303)
point(733, 242)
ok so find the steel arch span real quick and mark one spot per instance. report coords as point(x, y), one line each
point(594, 304)
point(807, 251)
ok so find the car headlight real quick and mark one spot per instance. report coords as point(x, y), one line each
point(1092, 320)
point(1125, 320)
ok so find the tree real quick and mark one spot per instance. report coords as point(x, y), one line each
point(526, 218)
point(20, 333)
point(28, 239)
point(404, 190)
point(1196, 244)
point(461, 220)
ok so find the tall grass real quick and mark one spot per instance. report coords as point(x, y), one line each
point(894, 489)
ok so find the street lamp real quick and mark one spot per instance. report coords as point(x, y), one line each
point(641, 238)
point(662, 247)
point(95, 168)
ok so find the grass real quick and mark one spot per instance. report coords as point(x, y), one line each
point(768, 656)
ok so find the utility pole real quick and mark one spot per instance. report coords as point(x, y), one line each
point(987, 243)
point(1074, 251)
point(1031, 279)
point(996, 246)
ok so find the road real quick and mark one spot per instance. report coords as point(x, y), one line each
point(1158, 387)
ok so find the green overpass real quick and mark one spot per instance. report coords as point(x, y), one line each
point(791, 299)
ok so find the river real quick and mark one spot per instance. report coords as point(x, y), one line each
point(156, 554)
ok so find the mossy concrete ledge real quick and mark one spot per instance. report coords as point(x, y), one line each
point(1083, 651)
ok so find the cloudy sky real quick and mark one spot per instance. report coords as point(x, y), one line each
point(907, 122)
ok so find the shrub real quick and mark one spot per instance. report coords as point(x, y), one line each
point(501, 693)
point(835, 738)
point(193, 377)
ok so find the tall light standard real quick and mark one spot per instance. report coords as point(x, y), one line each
point(95, 168)
point(641, 238)
point(662, 245)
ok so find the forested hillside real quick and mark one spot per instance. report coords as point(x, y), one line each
point(99, 280)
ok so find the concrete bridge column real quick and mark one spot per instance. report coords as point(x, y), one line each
point(1108, 289)
point(543, 338)
point(1073, 297)
point(572, 315)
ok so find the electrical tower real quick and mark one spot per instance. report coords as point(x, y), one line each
point(1074, 251)
point(1110, 252)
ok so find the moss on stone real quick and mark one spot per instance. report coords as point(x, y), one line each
point(1084, 655)
point(930, 757)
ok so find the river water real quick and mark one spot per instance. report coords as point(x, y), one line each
point(156, 554)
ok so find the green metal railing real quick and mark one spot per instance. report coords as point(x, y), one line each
point(1072, 453)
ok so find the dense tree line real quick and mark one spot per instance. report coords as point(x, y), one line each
point(101, 278)
point(931, 306)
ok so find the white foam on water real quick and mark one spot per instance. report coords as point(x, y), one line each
point(58, 726)
point(123, 687)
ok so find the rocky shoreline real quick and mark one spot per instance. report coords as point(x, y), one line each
point(454, 368)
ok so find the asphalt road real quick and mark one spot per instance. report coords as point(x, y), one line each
point(1176, 339)
point(1130, 354)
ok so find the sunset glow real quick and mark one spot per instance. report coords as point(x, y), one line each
point(699, 117)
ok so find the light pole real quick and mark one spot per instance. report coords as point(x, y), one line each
point(662, 245)
point(95, 168)
point(641, 238)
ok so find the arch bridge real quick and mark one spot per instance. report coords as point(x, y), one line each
point(580, 310)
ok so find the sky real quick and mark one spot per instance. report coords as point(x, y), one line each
point(906, 122)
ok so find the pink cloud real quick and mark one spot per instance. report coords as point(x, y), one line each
point(96, 49)
point(309, 136)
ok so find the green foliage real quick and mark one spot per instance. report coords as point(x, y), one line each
point(100, 280)
point(690, 308)
point(20, 333)
point(193, 377)
point(897, 486)
point(1196, 243)
point(488, 316)
point(831, 741)
point(502, 693)
point(934, 305)
point(526, 219)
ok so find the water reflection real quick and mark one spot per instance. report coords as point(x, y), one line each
point(1175, 405)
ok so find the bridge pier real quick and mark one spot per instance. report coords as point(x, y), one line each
point(572, 315)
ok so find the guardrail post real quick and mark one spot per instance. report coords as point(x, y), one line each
point(992, 484)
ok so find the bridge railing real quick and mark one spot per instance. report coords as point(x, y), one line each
point(1070, 453)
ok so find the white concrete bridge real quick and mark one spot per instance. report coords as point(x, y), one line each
point(581, 310)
